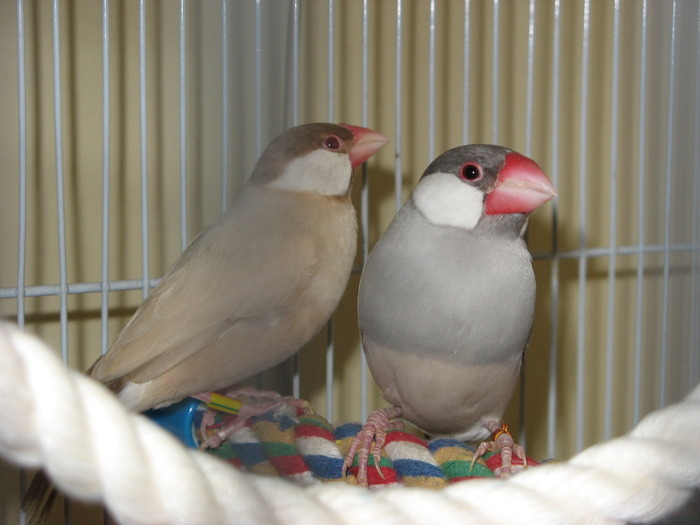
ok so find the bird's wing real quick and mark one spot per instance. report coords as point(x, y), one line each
point(220, 281)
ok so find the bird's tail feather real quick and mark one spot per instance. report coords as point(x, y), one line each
point(39, 499)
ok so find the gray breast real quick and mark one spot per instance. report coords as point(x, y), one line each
point(456, 295)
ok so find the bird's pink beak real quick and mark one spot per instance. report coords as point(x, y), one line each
point(521, 187)
point(367, 143)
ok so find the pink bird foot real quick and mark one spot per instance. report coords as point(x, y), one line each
point(374, 430)
point(244, 403)
point(503, 442)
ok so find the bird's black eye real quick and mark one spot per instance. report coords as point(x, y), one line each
point(471, 172)
point(332, 143)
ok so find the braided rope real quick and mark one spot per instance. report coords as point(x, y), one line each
point(292, 442)
point(94, 449)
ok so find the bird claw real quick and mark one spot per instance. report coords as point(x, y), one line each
point(503, 442)
point(213, 440)
point(253, 403)
point(374, 430)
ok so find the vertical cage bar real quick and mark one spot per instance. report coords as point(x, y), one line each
point(294, 106)
point(465, 73)
point(641, 159)
point(330, 354)
point(22, 204)
point(60, 197)
point(183, 126)
point(331, 61)
point(364, 219)
point(695, 273)
point(258, 78)
point(224, 106)
point(260, 378)
point(22, 153)
point(530, 89)
point(330, 349)
point(104, 307)
point(582, 260)
point(431, 82)
point(495, 65)
point(554, 279)
point(663, 368)
point(143, 148)
point(398, 101)
point(293, 75)
point(612, 259)
point(529, 104)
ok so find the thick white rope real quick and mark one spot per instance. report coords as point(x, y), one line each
point(94, 449)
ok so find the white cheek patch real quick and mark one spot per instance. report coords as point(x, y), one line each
point(320, 171)
point(447, 201)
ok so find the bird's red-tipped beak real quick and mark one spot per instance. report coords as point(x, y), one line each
point(367, 143)
point(521, 187)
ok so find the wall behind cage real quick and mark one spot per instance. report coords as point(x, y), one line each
point(604, 95)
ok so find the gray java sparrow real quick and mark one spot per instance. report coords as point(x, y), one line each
point(447, 299)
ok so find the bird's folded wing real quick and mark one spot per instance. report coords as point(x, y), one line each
point(184, 314)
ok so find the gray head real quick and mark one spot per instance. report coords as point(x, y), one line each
point(468, 183)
